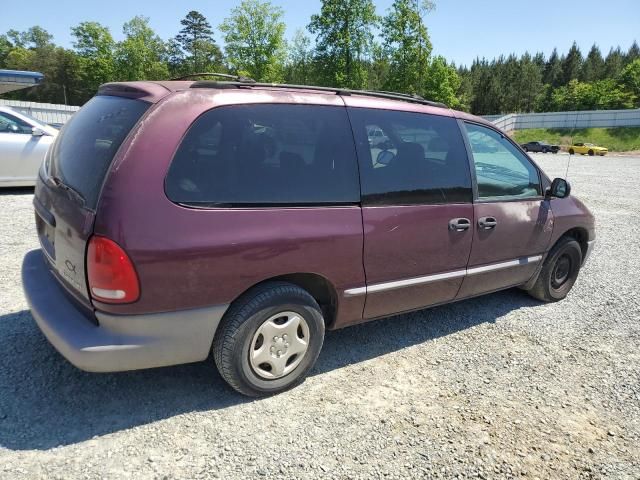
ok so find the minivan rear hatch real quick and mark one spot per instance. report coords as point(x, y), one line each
point(68, 190)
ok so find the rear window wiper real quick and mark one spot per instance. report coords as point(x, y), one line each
point(71, 192)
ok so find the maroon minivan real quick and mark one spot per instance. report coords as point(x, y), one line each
point(179, 218)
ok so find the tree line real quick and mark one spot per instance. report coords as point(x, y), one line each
point(533, 83)
point(346, 44)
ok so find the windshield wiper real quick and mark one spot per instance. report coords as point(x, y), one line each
point(71, 192)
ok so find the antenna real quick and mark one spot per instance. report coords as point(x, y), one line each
point(575, 125)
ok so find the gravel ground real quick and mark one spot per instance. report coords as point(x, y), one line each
point(496, 387)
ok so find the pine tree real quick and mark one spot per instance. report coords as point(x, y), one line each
point(593, 66)
point(196, 38)
point(552, 74)
point(572, 64)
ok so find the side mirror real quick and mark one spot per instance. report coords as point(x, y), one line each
point(559, 188)
point(385, 157)
point(37, 132)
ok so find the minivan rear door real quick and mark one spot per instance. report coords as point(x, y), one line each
point(69, 184)
point(416, 208)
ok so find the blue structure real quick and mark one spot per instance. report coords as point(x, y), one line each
point(15, 80)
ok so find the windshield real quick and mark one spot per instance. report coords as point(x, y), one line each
point(87, 144)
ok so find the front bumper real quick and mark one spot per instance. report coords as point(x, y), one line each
point(119, 342)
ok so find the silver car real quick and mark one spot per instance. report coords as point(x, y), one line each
point(24, 141)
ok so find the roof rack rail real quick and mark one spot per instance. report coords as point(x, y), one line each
point(338, 91)
point(237, 78)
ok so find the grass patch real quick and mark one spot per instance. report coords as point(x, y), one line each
point(619, 139)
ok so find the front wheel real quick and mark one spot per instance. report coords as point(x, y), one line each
point(269, 339)
point(525, 149)
point(559, 272)
point(591, 153)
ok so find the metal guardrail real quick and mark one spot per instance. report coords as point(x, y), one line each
point(583, 119)
point(45, 112)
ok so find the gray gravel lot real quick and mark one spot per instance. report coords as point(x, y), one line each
point(496, 387)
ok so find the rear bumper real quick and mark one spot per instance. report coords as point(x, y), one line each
point(119, 342)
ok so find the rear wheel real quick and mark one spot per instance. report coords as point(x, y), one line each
point(559, 272)
point(571, 151)
point(269, 339)
point(526, 149)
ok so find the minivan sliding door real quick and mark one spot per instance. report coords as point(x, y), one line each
point(416, 208)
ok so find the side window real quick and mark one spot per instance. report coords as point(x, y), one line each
point(11, 124)
point(260, 155)
point(501, 170)
point(410, 158)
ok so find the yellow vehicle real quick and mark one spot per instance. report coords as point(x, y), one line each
point(588, 149)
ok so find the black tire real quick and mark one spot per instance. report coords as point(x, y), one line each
point(544, 150)
point(571, 151)
point(591, 153)
point(554, 151)
point(233, 339)
point(525, 149)
point(559, 272)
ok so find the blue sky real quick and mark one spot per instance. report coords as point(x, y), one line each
point(460, 29)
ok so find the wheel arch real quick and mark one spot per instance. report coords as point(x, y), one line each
point(579, 234)
point(319, 287)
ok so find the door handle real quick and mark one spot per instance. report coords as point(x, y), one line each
point(459, 224)
point(487, 223)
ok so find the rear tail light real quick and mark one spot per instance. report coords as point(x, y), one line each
point(112, 278)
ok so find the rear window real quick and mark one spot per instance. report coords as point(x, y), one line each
point(255, 155)
point(83, 151)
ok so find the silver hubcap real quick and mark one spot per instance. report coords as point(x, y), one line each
point(279, 345)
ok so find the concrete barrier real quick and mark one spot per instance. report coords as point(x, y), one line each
point(45, 112)
point(571, 120)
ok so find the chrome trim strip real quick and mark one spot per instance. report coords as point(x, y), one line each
point(384, 286)
point(499, 266)
point(379, 287)
point(354, 292)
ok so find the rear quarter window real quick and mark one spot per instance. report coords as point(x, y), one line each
point(266, 155)
point(86, 146)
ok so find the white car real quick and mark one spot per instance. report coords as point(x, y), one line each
point(24, 141)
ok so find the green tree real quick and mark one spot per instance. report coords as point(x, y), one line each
point(633, 54)
point(630, 80)
point(300, 60)
point(5, 47)
point(142, 54)
point(196, 38)
point(552, 74)
point(600, 95)
point(572, 64)
point(344, 40)
point(95, 48)
point(614, 63)
point(254, 36)
point(593, 66)
point(442, 83)
point(407, 44)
